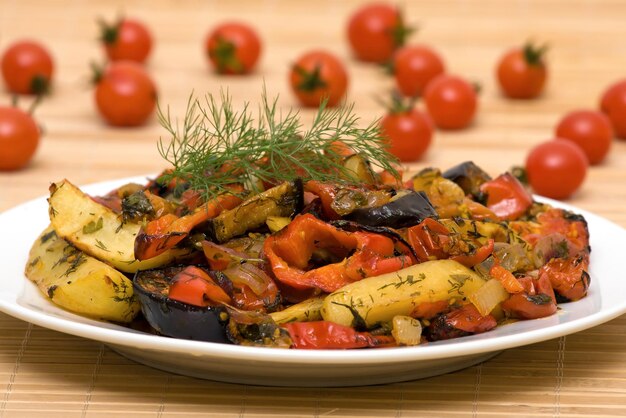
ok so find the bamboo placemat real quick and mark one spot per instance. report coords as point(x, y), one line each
point(48, 374)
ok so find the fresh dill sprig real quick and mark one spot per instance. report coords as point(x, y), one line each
point(218, 146)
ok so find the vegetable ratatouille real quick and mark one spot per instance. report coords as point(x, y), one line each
point(265, 234)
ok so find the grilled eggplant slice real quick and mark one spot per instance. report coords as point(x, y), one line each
point(173, 318)
point(468, 176)
point(405, 211)
point(282, 200)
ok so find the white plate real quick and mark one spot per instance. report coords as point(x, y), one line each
point(265, 366)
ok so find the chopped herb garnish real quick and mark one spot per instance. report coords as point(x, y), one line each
point(93, 226)
point(218, 146)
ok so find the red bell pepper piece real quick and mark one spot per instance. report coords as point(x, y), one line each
point(537, 300)
point(478, 256)
point(506, 279)
point(468, 319)
point(362, 254)
point(327, 193)
point(195, 287)
point(428, 239)
point(165, 232)
point(329, 335)
point(431, 240)
point(506, 196)
point(568, 276)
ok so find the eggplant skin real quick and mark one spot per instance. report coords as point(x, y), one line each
point(173, 318)
point(468, 176)
point(402, 212)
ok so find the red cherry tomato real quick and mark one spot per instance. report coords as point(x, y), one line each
point(375, 31)
point(19, 137)
point(125, 94)
point(233, 48)
point(127, 39)
point(408, 133)
point(556, 168)
point(317, 75)
point(450, 101)
point(27, 68)
point(588, 129)
point(522, 72)
point(613, 104)
point(414, 67)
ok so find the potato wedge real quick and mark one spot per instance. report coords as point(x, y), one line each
point(78, 282)
point(378, 299)
point(98, 231)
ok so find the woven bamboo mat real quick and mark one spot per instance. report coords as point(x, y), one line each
point(48, 374)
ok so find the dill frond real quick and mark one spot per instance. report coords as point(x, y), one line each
point(218, 146)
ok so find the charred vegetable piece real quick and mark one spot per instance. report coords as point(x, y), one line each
point(400, 241)
point(252, 287)
point(329, 335)
point(465, 320)
point(136, 207)
point(255, 329)
point(194, 286)
point(358, 169)
point(174, 318)
point(431, 240)
point(282, 200)
point(402, 212)
point(345, 257)
point(467, 175)
point(568, 276)
point(506, 197)
point(536, 301)
point(164, 233)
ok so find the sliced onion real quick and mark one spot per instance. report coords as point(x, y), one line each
point(219, 256)
point(246, 317)
point(513, 257)
point(488, 296)
point(249, 274)
point(406, 330)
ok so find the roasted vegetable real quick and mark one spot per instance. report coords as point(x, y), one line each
point(330, 335)
point(164, 233)
point(282, 200)
point(459, 322)
point(375, 300)
point(308, 310)
point(468, 176)
point(78, 282)
point(98, 231)
point(174, 318)
point(507, 198)
point(342, 257)
point(370, 261)
point(407, 210)
point(358, 169)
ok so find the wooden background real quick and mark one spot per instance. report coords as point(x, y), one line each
point(48, 374)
